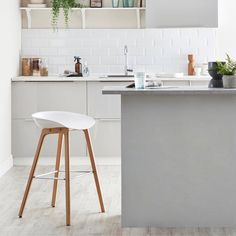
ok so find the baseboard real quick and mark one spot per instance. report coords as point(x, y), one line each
point(76, 161)
point(6, 165)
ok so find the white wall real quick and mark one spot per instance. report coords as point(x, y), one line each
point(151, 50)
point(227, 29)
point(9, 61)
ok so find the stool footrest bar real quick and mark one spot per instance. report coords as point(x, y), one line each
point(78, 171)
point(48, 178)
point(43, 176)
point(49, 173)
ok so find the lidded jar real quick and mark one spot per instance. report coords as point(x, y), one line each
point(26, 64)
point(44, 68)
point(36, 62)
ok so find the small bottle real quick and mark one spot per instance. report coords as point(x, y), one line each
point(78, 66)
point(85, 70)
point(191, 64)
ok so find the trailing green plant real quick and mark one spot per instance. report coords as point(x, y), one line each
point(66, 5)
point(228, 68)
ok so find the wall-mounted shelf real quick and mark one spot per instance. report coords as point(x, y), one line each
point(83, 11)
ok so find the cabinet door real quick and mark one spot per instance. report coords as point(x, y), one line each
point(104, 106)
point(24, 99)
point(25, 137)
point(181, 13)
point(106, 138)
point(61, 96)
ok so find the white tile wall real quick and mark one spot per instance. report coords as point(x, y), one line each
point(152, 50)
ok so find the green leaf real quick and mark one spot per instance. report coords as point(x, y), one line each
point(229, 68)
point(66, 5)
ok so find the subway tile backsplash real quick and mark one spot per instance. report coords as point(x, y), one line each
point(152, 50)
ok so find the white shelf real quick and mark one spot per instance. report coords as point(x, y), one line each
point(88, 8)
point(28, 11)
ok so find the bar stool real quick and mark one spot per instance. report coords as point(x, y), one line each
point(57, 122)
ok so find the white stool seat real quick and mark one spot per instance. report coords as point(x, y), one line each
point(59, 119)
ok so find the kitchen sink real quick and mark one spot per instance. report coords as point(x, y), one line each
point(120, 76)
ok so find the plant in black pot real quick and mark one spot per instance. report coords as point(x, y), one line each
point(228, 71)
point(216, 81)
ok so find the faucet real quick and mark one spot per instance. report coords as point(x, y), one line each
point(127, 70)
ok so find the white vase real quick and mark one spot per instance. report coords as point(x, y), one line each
point(229, 81)
point(37, 1)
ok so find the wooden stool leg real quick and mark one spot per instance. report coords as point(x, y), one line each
point(31, 175)
point(91, 155)
point(57, 167)
point(67, 177)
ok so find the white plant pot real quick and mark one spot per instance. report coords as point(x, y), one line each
point(37, 1)
point(229, 81)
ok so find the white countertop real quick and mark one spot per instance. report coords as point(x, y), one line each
point(66, 79)
point(166, 90)
point(99, 78)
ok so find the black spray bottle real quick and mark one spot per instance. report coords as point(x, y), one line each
point(78, 66)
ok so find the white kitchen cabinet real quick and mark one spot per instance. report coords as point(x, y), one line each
point(106, 138)
point(24, 99)
point(100, 106)
point(30, 97)
point(24, 138)
point(68, 96)
point(82, 97)
point(181, 13)
point(63, 96)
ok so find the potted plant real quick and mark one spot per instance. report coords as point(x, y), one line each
point(228, 71)
point(66, 5)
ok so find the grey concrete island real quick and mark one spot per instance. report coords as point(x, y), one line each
point(178, 157)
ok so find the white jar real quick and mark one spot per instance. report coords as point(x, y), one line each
point(205, 69)
point(198, 71)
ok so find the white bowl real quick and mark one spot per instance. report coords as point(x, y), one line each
point(37, 1)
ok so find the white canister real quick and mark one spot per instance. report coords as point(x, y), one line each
point(198, 71)
point(205, 69)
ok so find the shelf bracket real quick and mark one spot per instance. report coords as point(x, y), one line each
point(138, 18)
point(29, 20)
point(83, 18)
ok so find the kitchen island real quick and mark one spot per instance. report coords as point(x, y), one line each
point(178, 157)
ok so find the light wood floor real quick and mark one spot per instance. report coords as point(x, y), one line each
point(41, 219)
